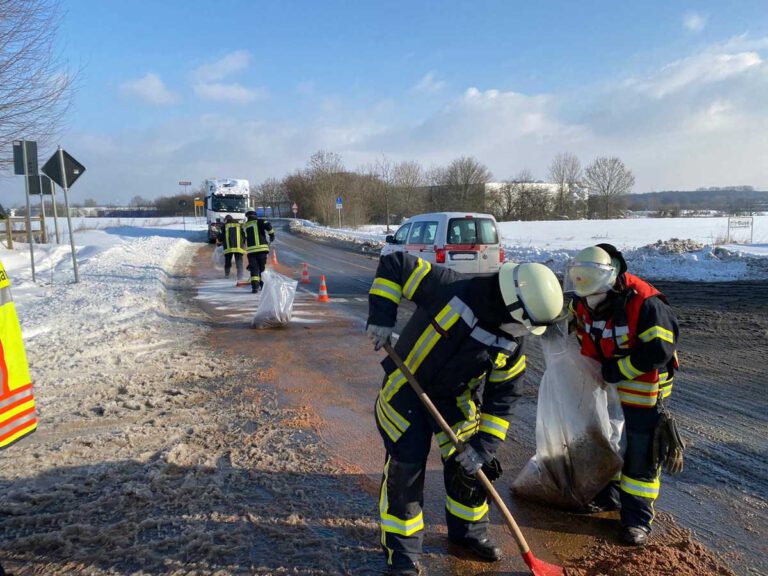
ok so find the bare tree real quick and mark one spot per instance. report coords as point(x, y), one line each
point(298, 189)
point(271, 193)
point(565, 171)
point(35, 87)
point(608, 181)
point(465, 179)
point(326, 171)
point(409, 181)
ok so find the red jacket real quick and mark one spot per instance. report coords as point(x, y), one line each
point(637, 330)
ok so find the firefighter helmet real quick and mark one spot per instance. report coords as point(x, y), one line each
point(532, 295)
point(592, 271)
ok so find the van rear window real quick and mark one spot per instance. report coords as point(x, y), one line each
point(472, 231)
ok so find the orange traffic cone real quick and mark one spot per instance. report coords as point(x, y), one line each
point(274, 257)
point(322, 296)
point(305, 274)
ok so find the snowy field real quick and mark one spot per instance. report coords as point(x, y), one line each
point(646, 243)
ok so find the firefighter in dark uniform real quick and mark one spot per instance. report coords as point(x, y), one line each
point(231, 237)
point(464, 343)
point(626, 324)
point(257, 246)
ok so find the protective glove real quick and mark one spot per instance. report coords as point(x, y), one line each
point(668, 445)
point(379, 335)
point(465, 487)
point(611, 372)
point(470, 460)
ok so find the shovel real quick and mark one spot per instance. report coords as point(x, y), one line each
point(537, 567)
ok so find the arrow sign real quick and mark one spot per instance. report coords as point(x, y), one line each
point(73, 169)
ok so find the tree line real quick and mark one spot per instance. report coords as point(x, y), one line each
point(386, 191)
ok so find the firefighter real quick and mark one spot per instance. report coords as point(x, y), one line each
point(464, 343)
point(626, 324)
point(257, 246)
point(231, 237)
point(17, 403)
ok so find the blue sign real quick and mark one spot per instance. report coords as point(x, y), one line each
point(338, 202)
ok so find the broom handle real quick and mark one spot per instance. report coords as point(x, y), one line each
point(480, 475)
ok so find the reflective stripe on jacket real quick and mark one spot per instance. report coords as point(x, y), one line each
point(17, 403)
point(256, 232)
point(640, 333)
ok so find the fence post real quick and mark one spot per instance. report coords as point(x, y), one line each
point(9, 232)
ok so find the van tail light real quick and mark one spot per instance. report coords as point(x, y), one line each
point(440, 255)
point(501, 255)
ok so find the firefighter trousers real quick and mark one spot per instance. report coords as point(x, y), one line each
point(257, 262)
point(402, 489)
point(238, 264)
point(638, 487)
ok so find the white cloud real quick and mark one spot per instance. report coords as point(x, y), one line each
point(235, 93)
point(694, 21)
point(705, 68)
point(150, 88)
point(223, 67)
point(428, 84)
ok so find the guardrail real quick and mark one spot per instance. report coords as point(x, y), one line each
point(17, 226)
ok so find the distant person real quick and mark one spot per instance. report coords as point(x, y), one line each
point(258, 236)
point(464, 344)
point(17, 403)
point(232, 238)
point(626, 324)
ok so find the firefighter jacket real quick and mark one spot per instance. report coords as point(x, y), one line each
point(232, 238)
point(636, 329)
point(17, 404)
point(452, 344)
point(256, 232)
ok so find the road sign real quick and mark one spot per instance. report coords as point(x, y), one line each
point(198, 202)
point(18, 157)
point(185, 183)
point(73, 169)
point(338, 203)
point(40, 184)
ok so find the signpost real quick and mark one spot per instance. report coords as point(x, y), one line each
point(198, 204)
point(185, 183)
point(295, 209)
point(25, 163)
point(65, 170)
point(741, 222)
point(338, 207)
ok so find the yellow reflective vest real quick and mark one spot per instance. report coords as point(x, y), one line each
point(17, 404)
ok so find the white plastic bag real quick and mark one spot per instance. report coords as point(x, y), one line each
point(218, 258)
point(579, 427)
point(276, 304)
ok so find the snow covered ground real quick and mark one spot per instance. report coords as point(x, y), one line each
point(646, 243)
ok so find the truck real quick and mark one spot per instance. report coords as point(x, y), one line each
point(225, 197)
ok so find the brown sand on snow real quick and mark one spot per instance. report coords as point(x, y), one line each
point(672, 553)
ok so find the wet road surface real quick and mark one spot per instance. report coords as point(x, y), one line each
point(719, 396)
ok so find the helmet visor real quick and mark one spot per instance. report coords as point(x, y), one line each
point(518, 311)
point(587, 278)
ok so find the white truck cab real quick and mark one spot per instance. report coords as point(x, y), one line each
point(225, 197)
point(464, 242)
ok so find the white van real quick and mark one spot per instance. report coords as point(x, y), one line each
point(467, 243)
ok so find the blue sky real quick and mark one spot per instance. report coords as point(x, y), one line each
point(175, 90)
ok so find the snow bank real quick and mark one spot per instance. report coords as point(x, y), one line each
point(649, 245)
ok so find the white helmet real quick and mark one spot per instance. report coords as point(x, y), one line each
point(532, 295)
point(591, 272)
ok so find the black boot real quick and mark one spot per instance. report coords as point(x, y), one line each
point(483, 548)
point(415, 570)
point(635, 536)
